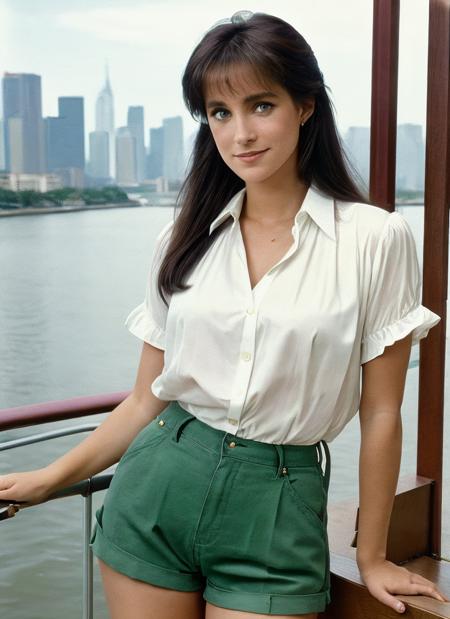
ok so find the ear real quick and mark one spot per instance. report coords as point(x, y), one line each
point(306, 109)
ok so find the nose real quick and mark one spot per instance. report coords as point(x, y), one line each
point(244, 131)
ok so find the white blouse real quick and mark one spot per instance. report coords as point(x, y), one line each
point(281, 363)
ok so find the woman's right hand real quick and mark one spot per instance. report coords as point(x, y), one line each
point(29, 487)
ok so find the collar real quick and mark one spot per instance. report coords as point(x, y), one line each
point(316, 204)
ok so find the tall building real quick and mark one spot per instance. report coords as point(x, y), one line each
point(410, 173)
point(2, 146)
point(65, 138)
point(71, 112)
point(99, 154)
point(23, 124)
point(410, 160)
point(155, 156)
point(104, 120)
point(126, 168)
point(173, 157)
point(135, 124)
point(357, 143)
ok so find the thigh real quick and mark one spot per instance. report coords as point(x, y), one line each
point(214, 612)
point(127, 597)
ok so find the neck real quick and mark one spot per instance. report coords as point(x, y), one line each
point(273, 204)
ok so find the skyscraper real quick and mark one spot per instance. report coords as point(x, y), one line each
point(155, 156)
point(125, 157)
point(104, 120)
point(173, 157)
point(357, 142)
point(65, 135)
point(99, 154)
point(23, 124)
point(2, 146)
point(136, 126)
point(410, 174)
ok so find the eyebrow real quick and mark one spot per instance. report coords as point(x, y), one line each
point(249, 99)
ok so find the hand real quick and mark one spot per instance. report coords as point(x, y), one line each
point(384, 578)
point(30, 487)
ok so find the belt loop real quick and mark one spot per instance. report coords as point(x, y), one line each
point(327, 464)
point(178, 427)
point(319, 451)
point(280, 453)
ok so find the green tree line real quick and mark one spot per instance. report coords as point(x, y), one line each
point(56, 197)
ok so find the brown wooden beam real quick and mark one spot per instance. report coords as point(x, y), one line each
point(383, 125)
point(435, 259)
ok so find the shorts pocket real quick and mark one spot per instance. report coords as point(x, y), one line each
point(305, 485)
point(150, 436)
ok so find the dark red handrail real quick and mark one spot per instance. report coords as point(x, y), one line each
point(58, 410)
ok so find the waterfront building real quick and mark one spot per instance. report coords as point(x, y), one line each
point(31, 182)
point(23, 124)
point(173, 149)
point(135, 124)
point(155, 155)
point(65, 140)
point(126, 168)
point(99, 154)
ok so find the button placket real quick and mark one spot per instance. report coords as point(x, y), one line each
point(247, 347)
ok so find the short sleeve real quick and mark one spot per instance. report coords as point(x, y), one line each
point(394, 306)
point(147, 321)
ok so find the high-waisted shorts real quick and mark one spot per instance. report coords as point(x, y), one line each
point(194, 508)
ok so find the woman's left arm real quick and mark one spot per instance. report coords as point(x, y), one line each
point(383, 383)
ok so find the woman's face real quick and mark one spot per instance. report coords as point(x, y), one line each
point(255, 118)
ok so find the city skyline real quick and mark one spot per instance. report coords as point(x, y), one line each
point(138, 42)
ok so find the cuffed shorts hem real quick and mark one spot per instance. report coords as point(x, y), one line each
point(268, 603)
point(134, 567)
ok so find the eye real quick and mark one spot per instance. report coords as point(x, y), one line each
point(217, 111)
point(265, 103)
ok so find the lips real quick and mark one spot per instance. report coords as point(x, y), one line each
point(251, 153)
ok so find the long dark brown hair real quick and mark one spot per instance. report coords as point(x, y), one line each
point(277, 53)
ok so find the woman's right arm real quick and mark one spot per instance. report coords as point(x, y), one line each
point(103, 447)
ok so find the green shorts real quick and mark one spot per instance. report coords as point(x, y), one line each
point(194, 508)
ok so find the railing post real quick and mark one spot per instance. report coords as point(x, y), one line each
point(87, 558)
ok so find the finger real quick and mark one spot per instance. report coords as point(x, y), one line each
point(389, 600)
point(429, 590)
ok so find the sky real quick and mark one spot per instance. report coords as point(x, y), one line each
point(147, 44)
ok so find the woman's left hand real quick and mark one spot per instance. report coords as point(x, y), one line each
point(384, 579)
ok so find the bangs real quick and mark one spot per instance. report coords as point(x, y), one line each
point(234, 66)
point(230, 79)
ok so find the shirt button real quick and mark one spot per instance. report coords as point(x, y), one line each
point(246, 356)
point(233, 422)
point(232, 444)
point(161, 422)
point(250, 310)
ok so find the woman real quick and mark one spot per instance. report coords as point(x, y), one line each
point(274, 284)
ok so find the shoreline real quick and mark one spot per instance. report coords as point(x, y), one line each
point(35, 210)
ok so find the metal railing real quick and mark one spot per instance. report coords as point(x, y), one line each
point(62, 410)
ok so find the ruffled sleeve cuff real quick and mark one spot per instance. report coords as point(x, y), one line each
point(418, 321)
point(140, 323)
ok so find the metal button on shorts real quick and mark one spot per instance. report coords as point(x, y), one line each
point(194, 508)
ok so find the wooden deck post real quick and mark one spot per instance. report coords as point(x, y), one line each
point(435, 261)
point(383, 124)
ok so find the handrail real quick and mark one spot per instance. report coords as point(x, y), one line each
point(59, 410)
point(56, 411)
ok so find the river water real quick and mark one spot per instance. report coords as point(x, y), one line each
point(67, 283)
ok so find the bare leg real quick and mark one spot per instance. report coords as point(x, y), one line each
point(129, 598)
point(214, 612)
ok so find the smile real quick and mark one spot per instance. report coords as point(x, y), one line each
point(253, 157)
